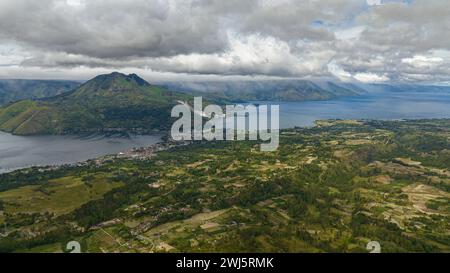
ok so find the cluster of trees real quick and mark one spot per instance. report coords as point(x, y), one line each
point(57, 235)
point(108, 207)
point(312, 195)
point(392, 237)
point(33, 176)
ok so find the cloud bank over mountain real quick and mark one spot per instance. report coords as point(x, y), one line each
point(349, 40)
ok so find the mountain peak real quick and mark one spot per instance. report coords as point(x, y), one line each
point(113, 83)
point(117, 76)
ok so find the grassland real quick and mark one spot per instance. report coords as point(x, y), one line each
point(57, 196)
point(331, 188)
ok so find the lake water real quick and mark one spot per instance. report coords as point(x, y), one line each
point(383, 106)
point(18, 152)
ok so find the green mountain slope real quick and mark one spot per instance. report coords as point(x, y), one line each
point(113, 102)
point(266, 90)
point(14, 90)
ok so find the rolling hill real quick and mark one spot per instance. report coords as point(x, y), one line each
point(14, 90)
point(331, 188)
point(112, 102)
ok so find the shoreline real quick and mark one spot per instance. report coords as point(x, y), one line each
point(138, 144)
point(147, 152)
point(141, 153)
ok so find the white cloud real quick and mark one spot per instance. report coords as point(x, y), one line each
point(364, 77)
point(253, 55)
point(338, 72)
point(374, 2)
point(370, 77)
point(420, 61)
point(11, 55)
point(373, 40)
point(76, 3)
point(350, 33)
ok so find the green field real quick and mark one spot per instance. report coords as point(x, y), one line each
point(331, 188)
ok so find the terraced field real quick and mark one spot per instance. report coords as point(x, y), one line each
point(331, 188)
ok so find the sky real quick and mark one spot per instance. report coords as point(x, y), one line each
point(368, 41)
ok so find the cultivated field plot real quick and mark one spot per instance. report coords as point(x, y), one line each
point(330, 188)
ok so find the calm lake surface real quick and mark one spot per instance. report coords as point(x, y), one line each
point(381, 105)
point(18, 152)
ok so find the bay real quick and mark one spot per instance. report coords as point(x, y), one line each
point(376, 105)
point(23, 151)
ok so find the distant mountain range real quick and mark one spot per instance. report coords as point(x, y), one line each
point(118, 102)
point(266, 90)
point(113, 102)
point(403, 88)
point(14, 90)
